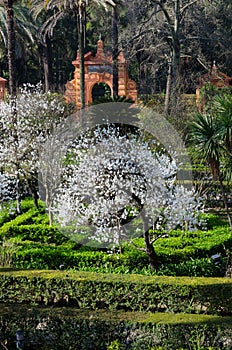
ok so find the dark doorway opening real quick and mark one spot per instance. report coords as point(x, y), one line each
point(100, 90)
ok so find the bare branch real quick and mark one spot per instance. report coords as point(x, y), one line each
point(187, 5)
point(203, 65)
point(138, 248)
point(158, 237)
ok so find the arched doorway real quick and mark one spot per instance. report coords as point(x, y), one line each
point(98, 71)
point(100, 90)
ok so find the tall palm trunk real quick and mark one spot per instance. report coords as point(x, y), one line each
point(47, 63)
point(81, 38)
point(115, 50)
point(11, 47)
point(12, 89)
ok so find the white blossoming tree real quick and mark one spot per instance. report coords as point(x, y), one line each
point(21, 142)
point(109, 179)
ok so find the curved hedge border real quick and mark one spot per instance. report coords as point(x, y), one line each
point(35, 255)
point(73, 329)
point(118, 292)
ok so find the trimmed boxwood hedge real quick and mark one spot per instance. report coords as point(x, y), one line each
point(27, 241)
point(28, 255)
point(34, 232)
point(118, 292)
point(74, 329)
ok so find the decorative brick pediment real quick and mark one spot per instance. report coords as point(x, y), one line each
point(214, 77)
point(98, 69)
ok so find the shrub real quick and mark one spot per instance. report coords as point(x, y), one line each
point(40, 256)
point(23, 219)
point(182, 253)
point(118, 292)
point(183, 246)
point(115, 345)
point(68, 328)
point(213, 220)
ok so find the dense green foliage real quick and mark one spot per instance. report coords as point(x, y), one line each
point(105, 330)
point(29, 242)
point(88, 290)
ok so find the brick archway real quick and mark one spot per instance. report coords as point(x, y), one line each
point(98, 69)
point(94, 79)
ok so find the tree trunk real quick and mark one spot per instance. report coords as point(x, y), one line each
point(174, 26)
point(176, 47)
point(81, 33)
point(175, 90)
point(216, 174)
point(149, 246)
point(225, 201)
point(18, 197)
point(57, 68)
point(48, 202)
point(168, 88)
point(47, 63)
point(33, 189)
point(13, 92)
point(115, 51)
point(11, 47)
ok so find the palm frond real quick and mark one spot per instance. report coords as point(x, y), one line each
point(204, 137)
point(49, 25)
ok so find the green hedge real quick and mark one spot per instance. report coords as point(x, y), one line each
point(181, 246)
point(73, 329)
point(182, 253)
point(33, 232)
point(30, 215)
point(40, 256)
point(36, 255)
point(112, 291)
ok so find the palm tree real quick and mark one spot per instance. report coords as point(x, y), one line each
point(11, 45)
point(24, 28)
point(12, 89)
point(44, 42)
point(60, 8)
point(205, 137)
point(115, 50)
point(222, 109)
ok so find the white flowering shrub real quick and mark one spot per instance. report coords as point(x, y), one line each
point(24, 133)
point(105, 181)
point(110, 178)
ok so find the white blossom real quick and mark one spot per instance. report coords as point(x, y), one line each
point(22, 138)
point(110, 179)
